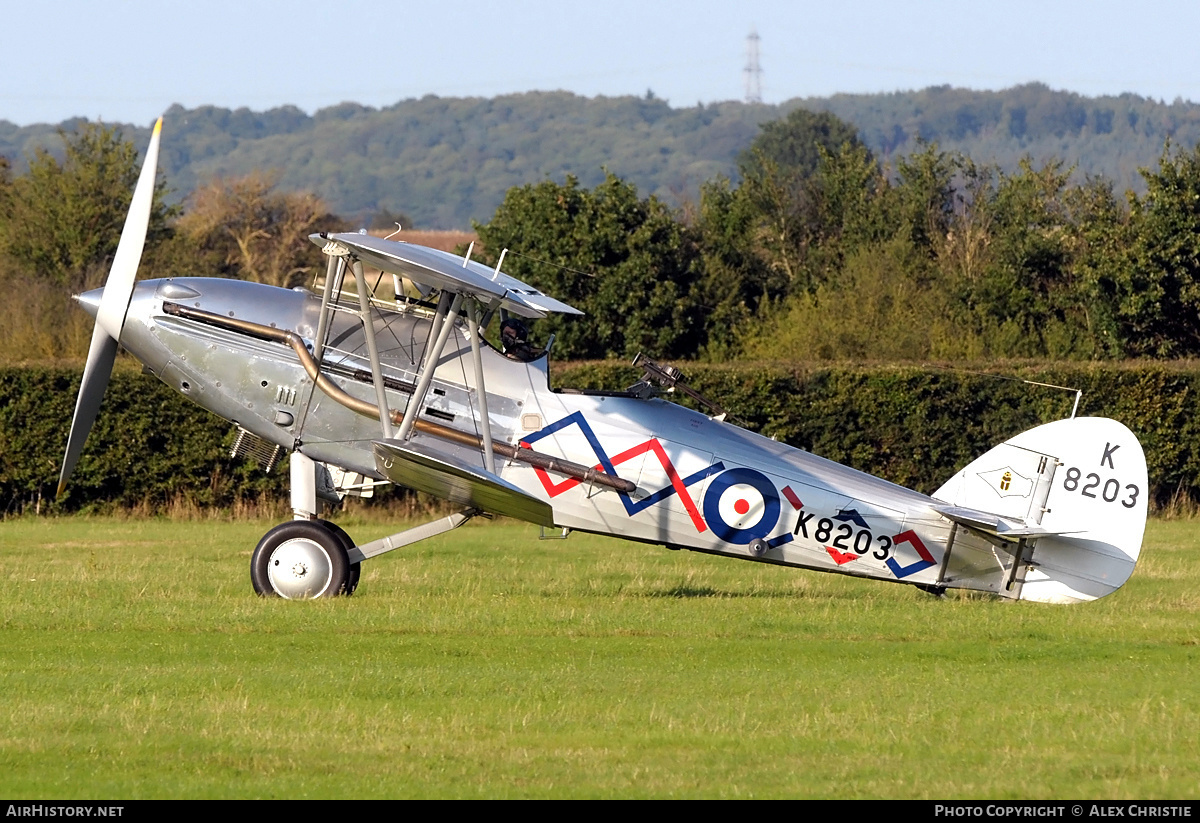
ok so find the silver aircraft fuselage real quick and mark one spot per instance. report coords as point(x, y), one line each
point(702, 483)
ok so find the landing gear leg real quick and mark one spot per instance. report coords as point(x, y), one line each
point(304, 487)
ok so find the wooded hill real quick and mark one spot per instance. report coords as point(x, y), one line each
point(447, 161)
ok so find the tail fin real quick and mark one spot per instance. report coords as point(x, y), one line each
point(1074, 491)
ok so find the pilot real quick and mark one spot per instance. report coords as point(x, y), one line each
point(514, 336)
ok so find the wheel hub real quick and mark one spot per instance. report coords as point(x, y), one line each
point(299, 569)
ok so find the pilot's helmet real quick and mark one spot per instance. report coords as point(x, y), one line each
point(513, 333)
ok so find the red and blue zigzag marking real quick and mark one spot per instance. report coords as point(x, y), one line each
point(678, 485)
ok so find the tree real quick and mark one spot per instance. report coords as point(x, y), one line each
point(62, 221)
point(1158, 291)
point(851, 209)
point(925, 189)
point(623, 260)
point(1103, 264)
point(867, 284)
point(1025, 255)
point(778, 173)
point(738, 282)
point(792, 146)
point(248, 230)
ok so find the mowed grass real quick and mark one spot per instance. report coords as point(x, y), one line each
point(136, 662)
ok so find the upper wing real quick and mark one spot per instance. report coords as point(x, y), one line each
point(446, 271)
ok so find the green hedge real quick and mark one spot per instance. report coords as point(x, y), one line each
point(149, 447)
point(914, 426)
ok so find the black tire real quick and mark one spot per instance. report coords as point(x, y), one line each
point(298, 560)
point(348, 544)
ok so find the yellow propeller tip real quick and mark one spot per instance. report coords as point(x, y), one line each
point(158, 125)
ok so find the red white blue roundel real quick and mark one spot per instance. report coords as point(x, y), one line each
point(741, 505)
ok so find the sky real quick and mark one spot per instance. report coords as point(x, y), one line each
point(128, 61)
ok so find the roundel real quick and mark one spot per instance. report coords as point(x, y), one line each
point(741, 505)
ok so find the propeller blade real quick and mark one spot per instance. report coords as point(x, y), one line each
point(118, 289)
point(110, 317)
point(101, 356)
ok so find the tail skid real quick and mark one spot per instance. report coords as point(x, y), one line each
point(1068, 502)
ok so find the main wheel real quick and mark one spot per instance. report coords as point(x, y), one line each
point(299, 560)
point(347, 544)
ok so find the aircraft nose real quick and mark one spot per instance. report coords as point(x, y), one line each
point(90, 301)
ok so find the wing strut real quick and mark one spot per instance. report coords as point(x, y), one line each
point(427, 369)
point(485, 423)
point(364, 303)
point(334, 273)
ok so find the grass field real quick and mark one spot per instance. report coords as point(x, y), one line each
point(135, 662)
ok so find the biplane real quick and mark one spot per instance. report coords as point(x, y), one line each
point(364, 391)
